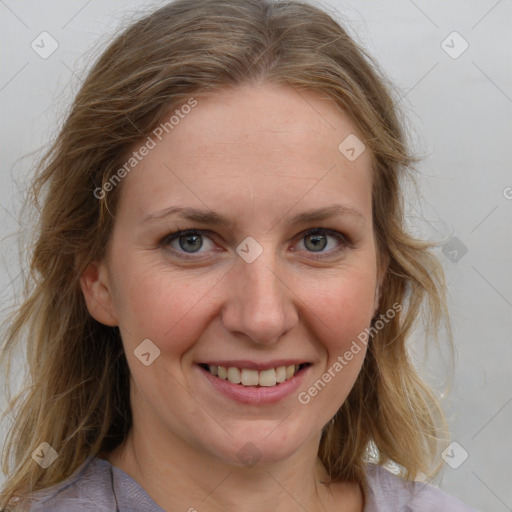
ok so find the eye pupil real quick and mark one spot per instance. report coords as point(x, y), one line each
point(195, 240)
point(319, 242)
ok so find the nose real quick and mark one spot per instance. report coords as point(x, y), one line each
point(260, 304)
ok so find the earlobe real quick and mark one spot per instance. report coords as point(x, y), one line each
point(97, 293)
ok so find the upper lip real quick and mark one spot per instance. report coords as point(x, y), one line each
point(253, 365)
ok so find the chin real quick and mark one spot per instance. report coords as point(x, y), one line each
point(264, 446)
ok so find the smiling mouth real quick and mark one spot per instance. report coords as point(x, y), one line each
point(249, 377)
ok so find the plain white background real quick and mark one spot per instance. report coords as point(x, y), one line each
point(459, 104)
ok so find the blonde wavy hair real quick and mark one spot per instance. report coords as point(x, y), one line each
point(77, 395)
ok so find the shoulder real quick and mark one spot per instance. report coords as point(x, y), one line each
point(88, 489)
point(388, 493)
point(97, 486)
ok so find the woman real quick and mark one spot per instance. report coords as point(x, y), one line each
point(261, 367)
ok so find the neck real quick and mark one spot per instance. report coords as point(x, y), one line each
point(208, 483)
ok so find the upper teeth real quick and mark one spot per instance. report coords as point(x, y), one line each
point(247, 377)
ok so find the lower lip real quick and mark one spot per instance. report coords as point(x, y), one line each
point(256, 395)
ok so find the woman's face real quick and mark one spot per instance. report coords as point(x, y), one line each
point(264, 288)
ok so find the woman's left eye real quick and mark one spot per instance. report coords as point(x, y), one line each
point(316, 240)
point(190, 241)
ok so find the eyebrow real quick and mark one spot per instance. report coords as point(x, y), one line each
point(213, 218)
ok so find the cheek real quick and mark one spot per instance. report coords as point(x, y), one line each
point(343, 306)
point(341, 311)
point(170, 308)
point(173, 308)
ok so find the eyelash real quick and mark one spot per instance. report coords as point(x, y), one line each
point(170, 237)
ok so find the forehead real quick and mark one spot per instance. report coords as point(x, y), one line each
point(251, 147)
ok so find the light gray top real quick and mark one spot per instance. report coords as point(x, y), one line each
point(98, 486)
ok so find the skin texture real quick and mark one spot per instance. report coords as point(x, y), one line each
point(257, 154)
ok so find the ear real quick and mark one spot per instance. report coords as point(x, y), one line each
point(98, 293)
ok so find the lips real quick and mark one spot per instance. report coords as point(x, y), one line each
point(261, 392)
